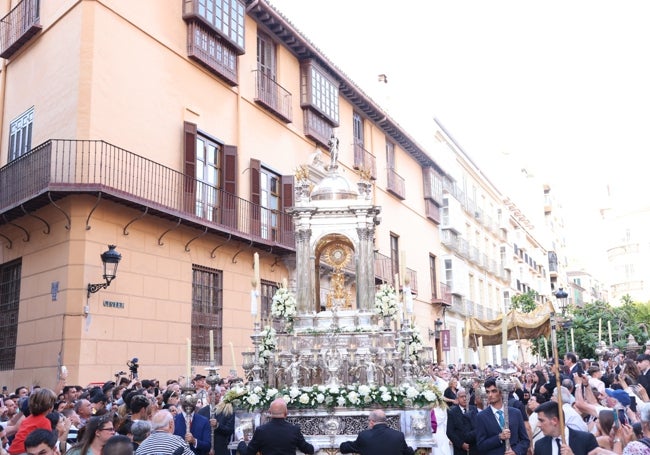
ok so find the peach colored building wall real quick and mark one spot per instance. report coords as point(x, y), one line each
point(119, 72)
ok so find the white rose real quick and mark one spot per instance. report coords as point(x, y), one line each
point(304, 398)
point(340, 401)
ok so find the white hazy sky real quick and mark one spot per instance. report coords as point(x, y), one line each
point(562, 86)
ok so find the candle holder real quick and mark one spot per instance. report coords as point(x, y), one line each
point(506, 385)
point(257, 369)
point(406, 335)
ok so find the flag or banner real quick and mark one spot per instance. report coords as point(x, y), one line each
point(445, 339)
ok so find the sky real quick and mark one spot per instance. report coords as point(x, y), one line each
point(561, 86)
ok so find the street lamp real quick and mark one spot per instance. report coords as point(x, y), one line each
point(110, 260)
point(561, 296)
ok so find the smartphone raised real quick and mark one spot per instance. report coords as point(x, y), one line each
point(622, 418)
point(617, 423)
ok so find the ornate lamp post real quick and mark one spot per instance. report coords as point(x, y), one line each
point(561, 296)
point(110, 260)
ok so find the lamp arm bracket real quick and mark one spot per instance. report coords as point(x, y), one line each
point(92, 288)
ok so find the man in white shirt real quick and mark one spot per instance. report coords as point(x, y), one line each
point(571, 417)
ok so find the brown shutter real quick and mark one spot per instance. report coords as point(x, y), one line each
point(286, 222)
point(189, 168)
point(228, 191)
point(256, 210)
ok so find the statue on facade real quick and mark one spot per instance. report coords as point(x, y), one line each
point(333, 145)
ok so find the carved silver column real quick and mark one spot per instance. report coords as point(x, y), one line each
point(304, 277)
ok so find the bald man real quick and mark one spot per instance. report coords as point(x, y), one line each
point(378, 439)
point(277, 436)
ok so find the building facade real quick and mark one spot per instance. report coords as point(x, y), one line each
point(174, 133)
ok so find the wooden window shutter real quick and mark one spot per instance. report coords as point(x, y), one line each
point(255, 171)
point(189, 168)
point(229, 201)
point(286, 223)
point(256, 210)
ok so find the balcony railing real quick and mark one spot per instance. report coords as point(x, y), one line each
point(413, 277)
point(395, 184)
point(444, 297)
point(364, 160)
point(383, 268)
point(83, 166)
point(273, 96)
point(17, 27)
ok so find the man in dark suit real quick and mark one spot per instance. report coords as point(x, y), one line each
point(276, 437)
point(643, 362)
point(222, 421)
point(460, 425)
point(574, 367)
point(197, 433)
point(580, 442)
point(379, 439)
point(491, 432)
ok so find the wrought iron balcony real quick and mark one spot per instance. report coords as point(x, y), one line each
point(60, 167)
point(395, 184)
point(17, 27)
point(272, 96)
point(444, 296)
point(364, 160)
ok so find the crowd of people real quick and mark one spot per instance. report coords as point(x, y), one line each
point(117, 418)
point(570, 406)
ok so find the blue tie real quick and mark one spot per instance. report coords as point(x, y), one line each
point(502, 420)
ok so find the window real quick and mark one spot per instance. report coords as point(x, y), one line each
point(9, 302)
point(268, 290)
point(357, 129)
point(271, 194)
point(394, 254)
point(268, 92)
point(226, 17)
point(215, 35)
point(270, 201)
point(433, 276)
point(319, 97)
point(449, 275)
point(395, 183)
point(210, 178)
point(208, 170)
point(207, 314)
point(20, 135)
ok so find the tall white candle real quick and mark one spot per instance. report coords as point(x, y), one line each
point(232, 354)
point(504, 336)
point(546, 346)
point(466, 342)
point(254, 303)
point(399, 302)
point(211, 346)
point(609, 329)
point(402, 266)
point(256, 270)
point(600, 329)
point(189, 361)
point(481, 354)
point(573, 343)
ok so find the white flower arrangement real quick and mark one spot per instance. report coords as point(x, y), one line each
point(386, 301)
point(284, 304)
point(419, 395)
point(269, 343)
point(415, 345)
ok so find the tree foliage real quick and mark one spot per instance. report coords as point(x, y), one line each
point(524, 302)
point(630, 318)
